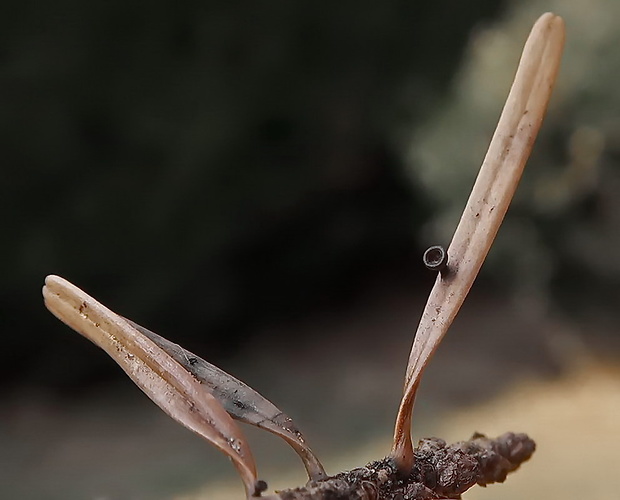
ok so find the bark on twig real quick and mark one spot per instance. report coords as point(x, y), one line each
point(439, 471)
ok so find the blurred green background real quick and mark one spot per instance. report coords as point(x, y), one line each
point(257, 181)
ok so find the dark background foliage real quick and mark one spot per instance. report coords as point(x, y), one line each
point(206, 167)
point(257, 181)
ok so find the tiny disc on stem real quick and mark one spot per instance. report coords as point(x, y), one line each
point(436, 258)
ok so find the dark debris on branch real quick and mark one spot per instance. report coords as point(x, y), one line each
point(440, 472)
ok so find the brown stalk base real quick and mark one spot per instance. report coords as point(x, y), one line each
point(440, 471)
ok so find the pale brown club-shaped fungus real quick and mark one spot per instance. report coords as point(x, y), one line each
point(204, 398)
point(490, 197)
